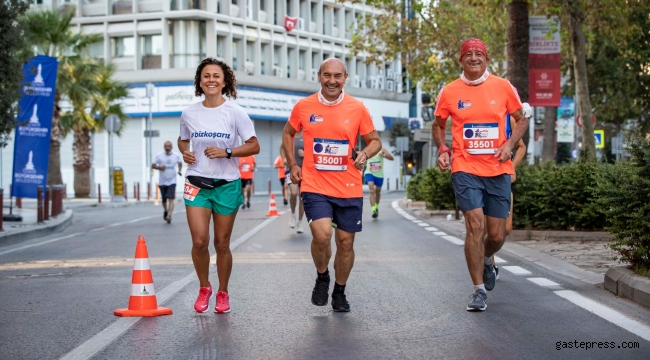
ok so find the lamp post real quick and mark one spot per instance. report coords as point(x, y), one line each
point(150, 93)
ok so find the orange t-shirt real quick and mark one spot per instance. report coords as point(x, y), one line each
point(330, 134)
point(478, 115)
point(279, 164)
point(246, 165)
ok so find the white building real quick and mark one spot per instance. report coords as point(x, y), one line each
point(162, 42)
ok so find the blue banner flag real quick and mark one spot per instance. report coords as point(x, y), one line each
point(32, 139)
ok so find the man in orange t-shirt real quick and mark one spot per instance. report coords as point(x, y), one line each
point(478, 103)
point(246, 169)
point(330, 177)
point(282, 176)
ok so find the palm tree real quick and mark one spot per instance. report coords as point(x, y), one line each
point(49, 33)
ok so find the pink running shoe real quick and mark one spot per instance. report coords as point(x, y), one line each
point(203, 300)
point(223, 303)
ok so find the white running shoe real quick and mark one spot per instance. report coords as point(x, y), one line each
point(292, 221)
point(299, 228)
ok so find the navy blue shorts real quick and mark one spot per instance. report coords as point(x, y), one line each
point(167, 192)
point(345, 213)
point(377, 180)
point(490, 193)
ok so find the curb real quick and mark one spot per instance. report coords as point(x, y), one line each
point(625, 283)
point(60, 223)
point(534, 256)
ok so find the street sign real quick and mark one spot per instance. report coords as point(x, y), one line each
point(112, 123)
point(565, 130)
point(423, 135)
point(402, 143)
point(150, 90)
point(151, 133)
point(599, 136)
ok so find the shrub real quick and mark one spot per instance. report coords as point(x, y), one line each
point(434, 187)
point(623, 191)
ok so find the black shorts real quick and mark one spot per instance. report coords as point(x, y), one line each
point(245, 182)
point(345, 213)
point(490, 193)
point(282, 181)
point(167, 192)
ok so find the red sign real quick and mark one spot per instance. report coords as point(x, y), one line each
point(544, 62)
point(290, 22)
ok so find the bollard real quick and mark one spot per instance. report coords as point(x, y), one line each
point(57, 200)
point(39, 204)
point(19, 203)
point(46, 207)
point(126, 192)
point(138, 191)
point(387, 184)
point(99, 193)
point(396, 184)
point(269, 186)
point(135, 191)
point(148, 191)
point(2, 201)
point(65, 191)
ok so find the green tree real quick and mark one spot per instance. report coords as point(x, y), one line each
point(517, 49)
point(49, 32)
point(12, 59)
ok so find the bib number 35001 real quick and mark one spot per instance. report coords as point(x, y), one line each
point(481, 138)
point(330, 155)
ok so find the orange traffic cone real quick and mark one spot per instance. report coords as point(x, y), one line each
point(143, 296)
point(273, 211)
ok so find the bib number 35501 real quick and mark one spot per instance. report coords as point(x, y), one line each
point(190, 191)
point(481, 138)
point(330, 155)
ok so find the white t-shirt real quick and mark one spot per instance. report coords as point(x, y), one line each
point(219, 127)
point(168, 176)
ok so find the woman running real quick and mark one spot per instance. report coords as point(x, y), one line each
point(212, 187)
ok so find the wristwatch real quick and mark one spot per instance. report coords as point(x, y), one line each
point(228, 153)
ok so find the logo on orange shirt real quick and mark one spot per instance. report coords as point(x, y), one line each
point(464, 104)
point(315, 118)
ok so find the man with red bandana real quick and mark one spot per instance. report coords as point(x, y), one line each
point(480, 158)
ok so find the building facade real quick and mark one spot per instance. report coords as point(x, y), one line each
point(162, 41)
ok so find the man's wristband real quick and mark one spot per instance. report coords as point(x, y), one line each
point(444, 149)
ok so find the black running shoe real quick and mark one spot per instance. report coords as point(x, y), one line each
point(248, 204)
point(339, 303)
point(286, 202)
point(243, 206)
point(375, 213)
point(165, 216)
point(319, 296)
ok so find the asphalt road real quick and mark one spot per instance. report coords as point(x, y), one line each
point(408, 292)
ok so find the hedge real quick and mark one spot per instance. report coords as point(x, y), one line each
point(575, 196)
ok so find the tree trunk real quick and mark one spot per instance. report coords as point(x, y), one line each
point(518, 50)
point(81, 149)
point(54, 164)
point(580, 70)
point(548, 148)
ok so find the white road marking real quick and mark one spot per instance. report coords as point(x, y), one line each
point(499, 260)
point(543, 282)
point(517, 270)
point(409, 217)
point(257, 246)
point(440, 233)
point(611, 315)
point(98, 342)
point(39, 244)
point(430, 228)
point(454, 240)
point(417, 221)
point(423, 224)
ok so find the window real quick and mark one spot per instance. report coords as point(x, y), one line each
point(96, 50)
point(221, 46)
point(151, 45)
point(276, 55)
point(235, 46)
point(188, 43)
point(314, 11)
point(301, 60)
point(122, 46)
point(263, 5)
point(249, 51)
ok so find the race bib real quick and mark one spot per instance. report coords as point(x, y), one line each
point(481, 138)
point(375, 166)
point(190, 191)
point(330, 155)
point(245, 167)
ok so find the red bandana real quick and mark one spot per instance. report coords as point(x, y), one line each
point(473, 44)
